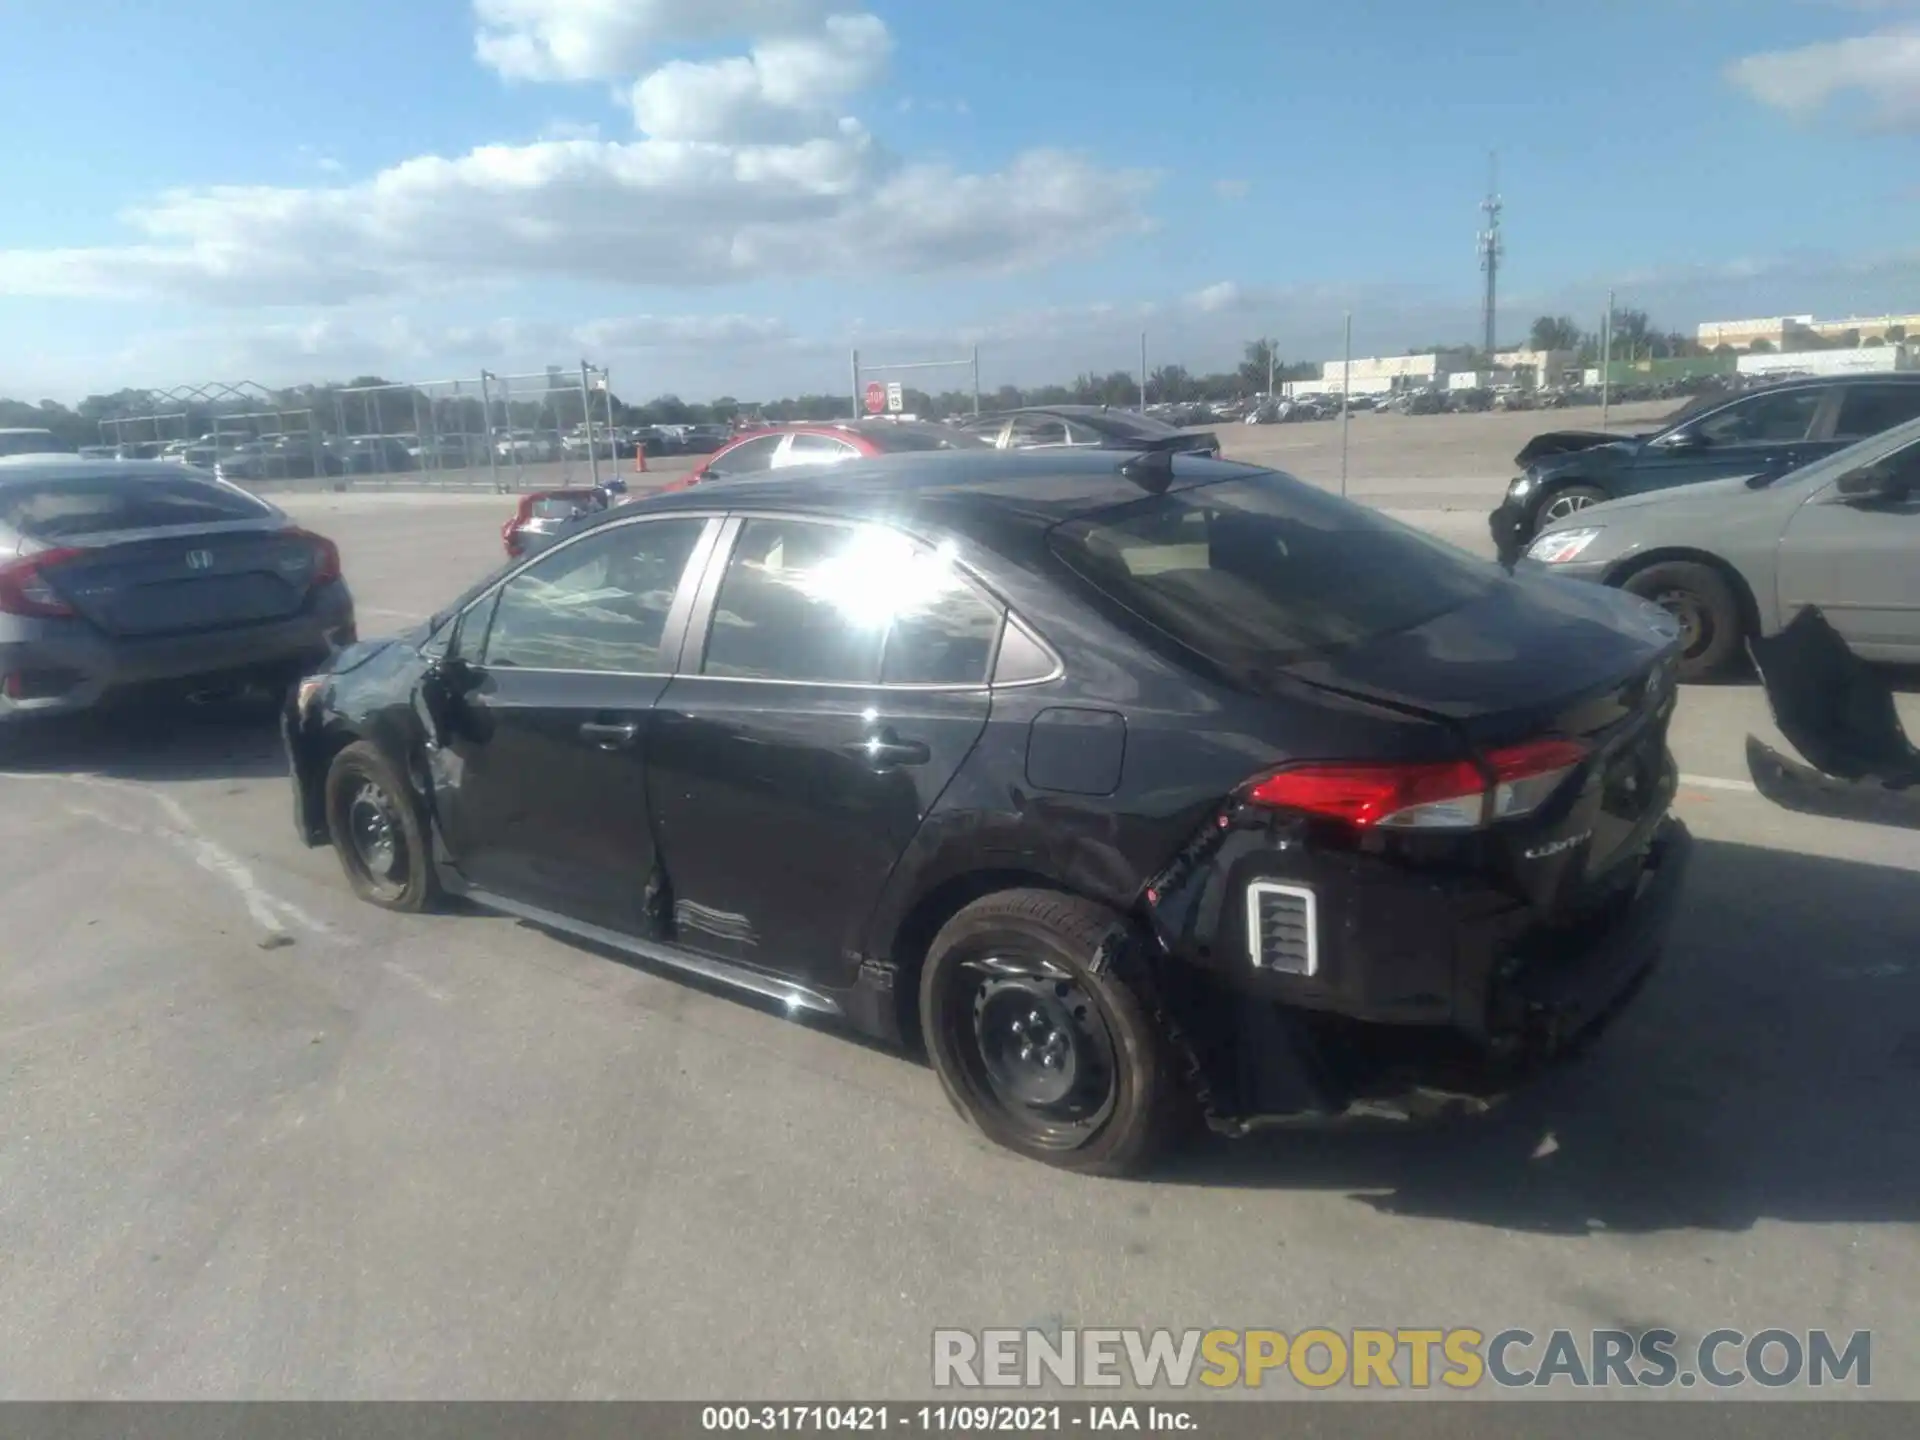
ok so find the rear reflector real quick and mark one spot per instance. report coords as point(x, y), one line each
point(24, 589)
point(1452, 795)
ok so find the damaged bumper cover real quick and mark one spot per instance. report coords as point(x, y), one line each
point(1838, 712)
point(1539, 996)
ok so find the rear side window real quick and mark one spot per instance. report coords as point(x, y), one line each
point(103, 504)
point(1253, 572)
point(816, 602)
point(1868, 409)
point(1032, 430)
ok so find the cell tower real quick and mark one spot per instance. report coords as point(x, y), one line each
point(1492, 250)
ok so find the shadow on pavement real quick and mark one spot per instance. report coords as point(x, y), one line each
point(153, 743)
point(1769, 1072)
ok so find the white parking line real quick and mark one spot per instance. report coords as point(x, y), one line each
point(266, 909)
point(1715, 782)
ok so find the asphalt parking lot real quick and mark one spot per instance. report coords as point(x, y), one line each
point(260, 1141)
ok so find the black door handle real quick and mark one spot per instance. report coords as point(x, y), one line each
point(609, 736)
point(885, 751)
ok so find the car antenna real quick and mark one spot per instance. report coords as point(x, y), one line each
point(1151, 470)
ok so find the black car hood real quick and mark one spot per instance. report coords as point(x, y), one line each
point(1512, 660)
point(1557, 443)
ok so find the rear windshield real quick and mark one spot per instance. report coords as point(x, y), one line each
point(560, 507)
point(1259, 570)
point(1125, 425)
point(33, 442)
point(101, 504)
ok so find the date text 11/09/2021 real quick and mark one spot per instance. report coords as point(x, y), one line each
point(947, 1419)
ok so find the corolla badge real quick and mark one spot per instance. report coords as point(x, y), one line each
point(1559, 847)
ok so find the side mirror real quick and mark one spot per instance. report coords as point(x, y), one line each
point(1682, 440)
point(1871, 483)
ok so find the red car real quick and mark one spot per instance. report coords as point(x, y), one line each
point(544, 514)
point(778, 447)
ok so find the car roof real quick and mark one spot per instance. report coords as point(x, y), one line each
point(968, 489)
point(18, 469)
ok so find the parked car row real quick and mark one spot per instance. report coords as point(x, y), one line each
point(1740, 512)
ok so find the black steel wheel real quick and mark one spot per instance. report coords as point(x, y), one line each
point(1701, 599)
point(378, 832)
point(1040, 1040)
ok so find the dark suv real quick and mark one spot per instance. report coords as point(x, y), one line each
point(1762, 433)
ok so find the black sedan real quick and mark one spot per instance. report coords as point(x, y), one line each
point(1092, 427)
point(1135, 788)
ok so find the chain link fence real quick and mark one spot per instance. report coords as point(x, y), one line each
point(506, 432)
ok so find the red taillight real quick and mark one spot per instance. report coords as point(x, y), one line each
point(24, 589)
point(326, 556)
point(1450, 795)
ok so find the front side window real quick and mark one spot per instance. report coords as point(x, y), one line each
point(599, 604)
point(827, 603)
point(1765, 419)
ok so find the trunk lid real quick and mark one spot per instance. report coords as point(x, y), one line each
point(1533, 660)
point(188, 579)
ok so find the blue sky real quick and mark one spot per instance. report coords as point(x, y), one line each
point(723, 195)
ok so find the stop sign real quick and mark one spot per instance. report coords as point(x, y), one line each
point(876, 397)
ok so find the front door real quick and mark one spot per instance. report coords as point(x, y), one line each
point(540, 787)
point(841, 684)
point(1859, 561)
point(1766, 434)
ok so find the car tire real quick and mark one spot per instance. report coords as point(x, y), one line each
point(1712, 626)
point(1035, 970)
point(1564, 503)
point(379, 831)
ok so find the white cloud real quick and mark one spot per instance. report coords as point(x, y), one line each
point(670, 332)
point(1233, 189)
point(614, 39)
point(650, 212)
point(748, 168)
point(1883, 69)
point(1216, 298)
point(788, 86)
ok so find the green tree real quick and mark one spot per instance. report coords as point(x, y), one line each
point(1257, 364)
point(1555, 332)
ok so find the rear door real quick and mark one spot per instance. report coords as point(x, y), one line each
point(540, 788)
point(1860, 563)
point(166, 554)
point(1762, 435)
point(836, 679)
